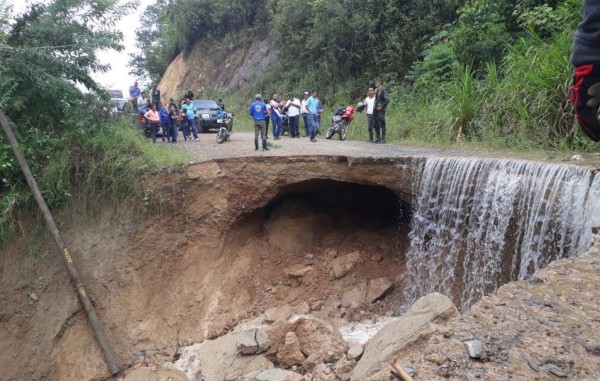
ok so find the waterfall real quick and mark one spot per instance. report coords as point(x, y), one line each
point(480, 223)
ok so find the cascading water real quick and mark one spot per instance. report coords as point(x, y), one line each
point(480, 223)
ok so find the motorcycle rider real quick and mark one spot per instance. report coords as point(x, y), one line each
point(257, 111)
point(369, 109)
point(381, 102)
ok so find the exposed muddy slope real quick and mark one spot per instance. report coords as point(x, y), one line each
point(217, 67)
point(210, 250)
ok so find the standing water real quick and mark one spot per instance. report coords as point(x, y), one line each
point(480, 223)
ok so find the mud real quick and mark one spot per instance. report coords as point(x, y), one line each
point(210, 247)
point(230, 239)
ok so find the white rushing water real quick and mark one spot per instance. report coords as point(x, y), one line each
point(479, 223)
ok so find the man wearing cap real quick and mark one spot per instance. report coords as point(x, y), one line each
point(305, 112)
point(134, 93)
point(257, 111)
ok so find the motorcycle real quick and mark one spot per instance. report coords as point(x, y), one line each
point(225, 131)
point(340, 122)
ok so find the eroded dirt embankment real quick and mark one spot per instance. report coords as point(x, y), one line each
point(230, 238)
point(179, 273)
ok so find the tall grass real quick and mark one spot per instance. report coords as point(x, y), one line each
point(107, 165)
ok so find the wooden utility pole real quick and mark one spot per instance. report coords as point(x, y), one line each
point(107, 351)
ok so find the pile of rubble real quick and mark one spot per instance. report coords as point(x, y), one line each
point(305, 347)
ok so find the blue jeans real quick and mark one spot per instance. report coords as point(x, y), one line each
point(312, 126)
point(190, 125)
point(166, 130)
point(154, 130)
point(277, 122)
point(174, 131)
point(305, 119)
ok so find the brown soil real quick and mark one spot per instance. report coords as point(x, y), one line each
point(206, 250)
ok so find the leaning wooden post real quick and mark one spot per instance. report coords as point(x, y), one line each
point(107, 351)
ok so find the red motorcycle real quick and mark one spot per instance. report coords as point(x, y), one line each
point(340, 122)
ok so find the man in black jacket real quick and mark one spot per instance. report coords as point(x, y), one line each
point(381, 102)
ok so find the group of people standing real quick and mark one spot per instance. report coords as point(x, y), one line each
point(311, 109)
point(277, 110)
point(168, 117)
point(375, 105)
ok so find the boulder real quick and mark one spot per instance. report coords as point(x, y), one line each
point(289, 354)
point(277, 313)
point(317, 338)
point(343, 369)
point(251, 342)
point(342, 265)
point(302, 309)
point(356, 351)
point(247, 364)
point(356, 296)
point(377, 289)
point(402, 333)
point(156, 374)
point(271, 375)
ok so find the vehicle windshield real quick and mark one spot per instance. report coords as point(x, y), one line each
point(205, 104)
point(118, 103)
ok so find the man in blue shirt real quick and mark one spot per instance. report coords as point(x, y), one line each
point(311, 107)
point(134, 93)
point(165, 121)
point(257, 111)
point(190, 115)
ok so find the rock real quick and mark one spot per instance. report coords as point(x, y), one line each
point(316, 337)
point(33, 296)
point(342, 265)
point(247, 364)
point(278, 313)
point(311, 362)
point(297, 271)
point(555, 370)
point(271, 375)
point(377, 288)
point(444, 370)
point(302, 309)
point(576, 158)
point(343, 368)
point(475, 348)
point(355, 297)
point(377, 257)
point(289, 354)
point(323, 372)
point(396, 337)
point(251, 342)
point(156, 374)
point(356, 351)
point(410, 370)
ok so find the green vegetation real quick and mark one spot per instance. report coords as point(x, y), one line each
point(68, 137)
point(477, 72)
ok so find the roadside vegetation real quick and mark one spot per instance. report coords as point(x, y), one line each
point(70, 140)
point(471, 72)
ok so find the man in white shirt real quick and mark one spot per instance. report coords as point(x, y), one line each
point(370, 108)
point(142, 101)
point(293, 106)
point(276, 115)
point(305, 113)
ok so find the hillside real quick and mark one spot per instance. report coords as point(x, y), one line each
point(217, 67)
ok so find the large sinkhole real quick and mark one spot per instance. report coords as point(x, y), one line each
point(327, 243)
